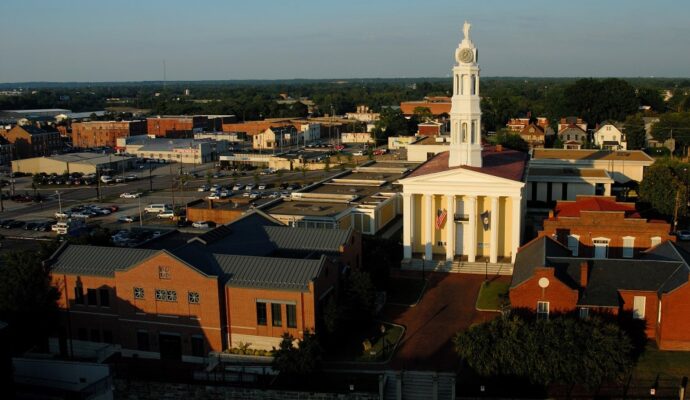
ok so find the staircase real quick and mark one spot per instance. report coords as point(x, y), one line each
point(419, 385)
point(458, 267)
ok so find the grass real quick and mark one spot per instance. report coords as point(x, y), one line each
point(492, 295)
point(383, 345)
point(654, 362)
point(405, 291)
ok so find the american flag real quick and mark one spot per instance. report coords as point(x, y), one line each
point(441, 218)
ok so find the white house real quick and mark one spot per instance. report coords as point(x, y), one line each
point(609, 137)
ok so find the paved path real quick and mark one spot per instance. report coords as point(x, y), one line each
point(448, 306)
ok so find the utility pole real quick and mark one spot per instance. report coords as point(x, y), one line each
point(172, 186)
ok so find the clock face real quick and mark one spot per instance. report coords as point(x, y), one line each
point(466, 55)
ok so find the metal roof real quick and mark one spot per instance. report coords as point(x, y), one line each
point(97, 260)
point(307, 239)
point(269, 272)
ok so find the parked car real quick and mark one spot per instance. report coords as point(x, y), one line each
point(129, 195)
point(358, 153)
point(213, 196)
point(249, 187)
point(104, 179)
point(262, 186)
point(63, 214)
point(238, 186)
point(131, 178)
point(166, 214)
point(254, 195)
point(156, 208)
point(31, 225)
point(203, 188)
point(201, 224)
point(125, 218)
point(120, 179)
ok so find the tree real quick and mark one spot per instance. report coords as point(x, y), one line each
point(28, 301)
point(301, 361)
point(635, 132)
point(360, 298)
point(512, 141)
point(676, 125)
point(422, 114)
point(599, 100)
point(651, 97)
point(663, 183)
point(563, 349)
point(391, 123)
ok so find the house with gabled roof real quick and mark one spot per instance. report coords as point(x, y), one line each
point(246, 282)
point(653, 288)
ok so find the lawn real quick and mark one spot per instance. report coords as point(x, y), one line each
point(492, 295)
point(665, 363)
point(405, 291)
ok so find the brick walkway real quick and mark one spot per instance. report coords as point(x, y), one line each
point(446, 308)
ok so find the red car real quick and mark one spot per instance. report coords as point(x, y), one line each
point(112, 208)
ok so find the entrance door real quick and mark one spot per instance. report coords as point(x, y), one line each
point(459, 239)
point(170, 347)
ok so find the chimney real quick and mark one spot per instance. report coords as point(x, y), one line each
point(584, 273)
point(499, 148)
point(550, 214)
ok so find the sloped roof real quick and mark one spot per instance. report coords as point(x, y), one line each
point(534, 255)
point(97, 260)
point(593, 203)
point(590, 155)
point(536, 130)
point(308, 239)
point(508, 164)
point(273, 273)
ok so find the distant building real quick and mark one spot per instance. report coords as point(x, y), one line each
point(534, 135)
point(176, 126)
point(232, 137)
point(363, 114)
point(29, 141)
point(610, 137)
point(104, 133)
point(85, 163)
point(571, 122)
point(186, 151)
point(518, 124)
point(357, 137)
point(401, 142)
point(622, 166)
point(431, 128)
point(437, 106)
point(573, 137)
point(6, 151)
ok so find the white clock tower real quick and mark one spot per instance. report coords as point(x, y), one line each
point(465, 112)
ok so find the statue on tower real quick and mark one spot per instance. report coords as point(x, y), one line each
point(466, 30)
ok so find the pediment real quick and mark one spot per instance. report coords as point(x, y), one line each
point(459, 176)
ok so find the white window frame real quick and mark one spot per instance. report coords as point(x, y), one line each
point(601, 242)
point(658, 318)
point(574, 247)
point(655, 241)
point(639, 307)
point(584, 312)
point(541, 313)
point(628, 246)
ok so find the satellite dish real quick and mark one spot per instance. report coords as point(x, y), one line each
point(544, 283)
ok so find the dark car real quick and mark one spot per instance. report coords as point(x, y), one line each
point(46, 227)
point(15, 224)
point(6, 223)
point(31, 225)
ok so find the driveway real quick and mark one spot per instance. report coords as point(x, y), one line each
point(448, 306)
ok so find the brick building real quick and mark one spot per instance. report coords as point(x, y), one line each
point(104, 133)
point(30, 141)
point(249, 281)
point(653, 288)
point(438, 106)
point(534, 135)
point(220, 211)
point(176, 126)
point(601, 227)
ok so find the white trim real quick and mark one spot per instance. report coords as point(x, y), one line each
point(243, 327)
point(576, 248)
point(639, 306)
point(628, 246)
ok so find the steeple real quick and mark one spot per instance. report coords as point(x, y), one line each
point(465, 111)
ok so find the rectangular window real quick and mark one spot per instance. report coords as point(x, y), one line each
point(639, 303)
point(143, 340)
point(166, 295)
point(261, 314)
point(584, 312)
point(628, 246)
point(291, 311)
point(92, 297)
point(542, 310)
point(574, 244)
point(79, 295)
point(655, 240)
point(105, 297)
point(198, 346)
point(276, 316)
point(193, 297)
point(139, 293)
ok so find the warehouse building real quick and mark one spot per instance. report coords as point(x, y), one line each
point(85, 163)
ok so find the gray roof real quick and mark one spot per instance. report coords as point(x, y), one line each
point(265, 272)
point(660, 269)
point(307, 239)
point(96, 260)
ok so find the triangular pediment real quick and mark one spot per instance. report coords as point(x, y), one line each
point(459, 176)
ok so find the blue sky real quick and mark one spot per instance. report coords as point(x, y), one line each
point(98, 40)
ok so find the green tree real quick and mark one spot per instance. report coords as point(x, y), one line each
point(422, 114)
point(512, 141)
point(391, 123)
point(599, 100)
point(663, 184)
point(635, 132)
point(360, 298)
point(301, 361)
point(676, 125)
point(562, 349)
point(28, 301)
point(651, 97)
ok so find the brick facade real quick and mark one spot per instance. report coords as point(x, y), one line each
point(30, 142)
point(104, 133)
point(175, 127)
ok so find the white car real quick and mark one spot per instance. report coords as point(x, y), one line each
point(203, 188)
point(254, 195)
point(262, 186)
point(358, 153)
point(128, 195)
point(213, 196)
point(62, 214)
point(249, 187)
point(238, 186)
point(166, 214)
point(201, 224)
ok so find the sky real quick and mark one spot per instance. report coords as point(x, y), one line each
point(130, 40)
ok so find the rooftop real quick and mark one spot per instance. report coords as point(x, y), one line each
point(568, 172)
point(507, 164)
point(590, 155)
point(594, 203)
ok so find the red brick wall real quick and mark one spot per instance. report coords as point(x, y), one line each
point(175, 127)
point(674, 330)
point(559, 295)
point(611, 225)
point(426, 130)
point(651, 308)
point(104, 133)
point(217, 215)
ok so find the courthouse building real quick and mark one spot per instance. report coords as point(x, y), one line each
point(465, 204)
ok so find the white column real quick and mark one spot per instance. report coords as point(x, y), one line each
point(471, 236)
point(517, 224)
point(408, 221)
point(493, 251)
point(428, 225)
point(450, 227)
point(607, 189)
